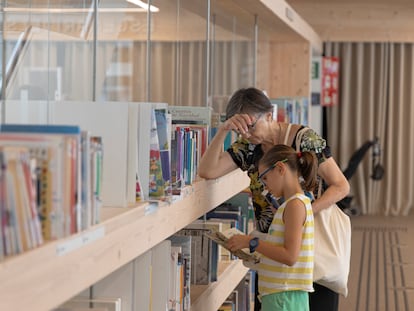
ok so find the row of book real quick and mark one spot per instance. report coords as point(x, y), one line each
point(152, 150)
point(233, 215)
point(291, 110)
point(163, 277)
point(151, 147)
point(164, 281)
point(50, 184)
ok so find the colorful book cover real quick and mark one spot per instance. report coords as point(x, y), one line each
point(177, 159)
point(63, 160)
point(164, 143)
point(44, 153)
point(156, 181)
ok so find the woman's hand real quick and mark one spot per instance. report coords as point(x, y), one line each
point(239, 123)
point(238, 241)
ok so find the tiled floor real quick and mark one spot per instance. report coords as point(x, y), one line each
point(382, 264)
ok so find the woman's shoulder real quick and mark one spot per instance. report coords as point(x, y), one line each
point(310, 140)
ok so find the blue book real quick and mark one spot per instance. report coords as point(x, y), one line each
point(40, 128)
point(236, 216)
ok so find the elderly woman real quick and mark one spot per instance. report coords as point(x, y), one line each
point(250, 113)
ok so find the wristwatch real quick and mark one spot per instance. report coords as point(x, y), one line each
point(253, 244)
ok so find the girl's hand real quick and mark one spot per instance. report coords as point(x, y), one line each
point(238, 241)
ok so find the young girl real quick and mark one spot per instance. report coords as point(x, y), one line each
point(286, 268)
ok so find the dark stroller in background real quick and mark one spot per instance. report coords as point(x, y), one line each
point(356, 158)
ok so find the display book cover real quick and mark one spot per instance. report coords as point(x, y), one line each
point(163, 122)
point(69, 137)
point(156, 181)
point(221, 238)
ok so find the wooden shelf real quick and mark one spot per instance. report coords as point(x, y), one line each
point(44, 278)
point(210, 297)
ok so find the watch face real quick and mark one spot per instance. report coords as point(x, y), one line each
point(253, 244)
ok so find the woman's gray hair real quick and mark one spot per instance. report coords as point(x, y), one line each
point(248, 100)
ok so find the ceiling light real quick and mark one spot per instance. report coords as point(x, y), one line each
point(72, 10)
point(144, 5)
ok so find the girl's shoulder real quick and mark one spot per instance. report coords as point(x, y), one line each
point(299, 196)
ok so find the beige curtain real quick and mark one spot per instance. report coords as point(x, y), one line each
point(376, 100)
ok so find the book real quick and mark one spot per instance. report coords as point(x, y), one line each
point(56, 152)
point(164, 142)
point(117, 136)
point(177, 160)
point(221, 238)
point(96, 159)
point(145, 111)
point(191, 135)
point(156, 181)
point(214, 251)
point(69, 138)
point(201, 255)
point(184, 244)
point(236, 216)
point(191, 114)
point(176, 269)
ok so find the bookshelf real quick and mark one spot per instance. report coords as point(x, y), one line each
point(43, 278)
point(210, 297)
point(50, 275)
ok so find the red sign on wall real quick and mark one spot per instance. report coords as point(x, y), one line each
point(330, 81)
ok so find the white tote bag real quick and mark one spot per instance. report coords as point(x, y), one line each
point(332, 249)
point(332, 244)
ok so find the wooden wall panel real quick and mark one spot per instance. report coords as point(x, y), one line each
point(284, 69)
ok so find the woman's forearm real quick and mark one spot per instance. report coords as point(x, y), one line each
point(215, 161)
point(338, 185)
point(331, 195)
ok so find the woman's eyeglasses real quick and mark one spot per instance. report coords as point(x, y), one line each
point(251, 127)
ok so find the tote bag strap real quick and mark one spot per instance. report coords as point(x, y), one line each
point(299, 136)
point(287, 134)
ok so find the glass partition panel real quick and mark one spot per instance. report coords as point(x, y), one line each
point(232, 51)
point(2, 67)
point(121, 57)
point(179, 52)
point(264, 59)
point(48, 50)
